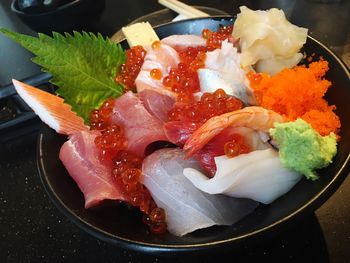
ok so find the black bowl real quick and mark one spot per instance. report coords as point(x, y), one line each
point(74, 15)
point(120, 225)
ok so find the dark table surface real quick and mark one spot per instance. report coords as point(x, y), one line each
point(33, 230)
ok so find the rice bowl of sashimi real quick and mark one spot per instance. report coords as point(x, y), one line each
point(207, 204)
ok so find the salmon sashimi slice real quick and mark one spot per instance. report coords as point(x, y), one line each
point(51, 109)
point(162, 58)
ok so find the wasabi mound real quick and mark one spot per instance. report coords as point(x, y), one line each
point(303, 149)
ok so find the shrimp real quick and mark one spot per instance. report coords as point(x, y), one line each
point(254, 117)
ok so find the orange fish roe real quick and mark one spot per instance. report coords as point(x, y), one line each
point(131, 68)
point(236, 146)
point(126, 167)
point(183, 79)
point(156, 74)
point(214, 39)
point(209, 105)
point(298, 92)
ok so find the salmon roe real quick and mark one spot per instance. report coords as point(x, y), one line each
point(127, 173)
point(126, 167)
point(156, 74)
point(210, 104)
point(130, 69)
point(214, 39)
point(183, 79)
point(110, 142)
point(100, 118)
point(236, 146)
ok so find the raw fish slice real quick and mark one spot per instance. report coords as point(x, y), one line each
point(140, 127)
point(187, 208)
point(163, 54)
point(258, 175)
point(178, 132)
point(163, 58)
point(211, 80)
point(223, 70)
point(157, 104)
point(80, 157)
point(181, 42)
point(51, 109)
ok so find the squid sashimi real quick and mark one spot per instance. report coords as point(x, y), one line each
point(223, 70)
point(140, 127)
point(253, 140)
point(258, 175)
point(187, 208)
point(157, 104)
point(181, 42)
point(80, 157)
point(254, 117)
point(162, 58)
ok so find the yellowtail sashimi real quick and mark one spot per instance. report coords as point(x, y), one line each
point(51, 109)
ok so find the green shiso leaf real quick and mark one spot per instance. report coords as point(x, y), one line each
point(83, 66)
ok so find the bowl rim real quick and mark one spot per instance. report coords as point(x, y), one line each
point(14, 9)
point(311, 205)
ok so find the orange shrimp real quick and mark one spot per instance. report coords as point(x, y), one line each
point(254, 117)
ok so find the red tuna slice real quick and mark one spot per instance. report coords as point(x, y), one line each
point(215, 147)
point(181, 42)
point(51, 109)
point(80, 157)
point(140, 127)
point(163, 58)
point(157, 104)
point(178, 132)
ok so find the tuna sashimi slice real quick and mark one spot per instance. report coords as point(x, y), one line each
point(178, 132)
point(51, 109)
point(187, 208)
point(140, 127)
point(157, 104)
point(80, 157)
point(181, 42)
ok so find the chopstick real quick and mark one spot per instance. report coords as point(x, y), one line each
point(182, 9)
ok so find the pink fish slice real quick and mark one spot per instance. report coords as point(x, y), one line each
point(51, 109)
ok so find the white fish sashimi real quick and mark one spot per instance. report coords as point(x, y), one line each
point(222, 70)
point(187, 208)
point(258, 175)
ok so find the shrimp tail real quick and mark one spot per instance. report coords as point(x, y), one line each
point(254, 117)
